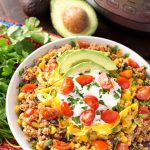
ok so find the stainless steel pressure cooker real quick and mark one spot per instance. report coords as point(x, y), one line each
point(134, 14)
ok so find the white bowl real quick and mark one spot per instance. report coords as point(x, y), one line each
point(12, 92)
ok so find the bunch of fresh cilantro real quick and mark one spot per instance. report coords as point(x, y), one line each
point(15, 45)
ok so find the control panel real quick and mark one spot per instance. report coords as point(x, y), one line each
point(136, 10)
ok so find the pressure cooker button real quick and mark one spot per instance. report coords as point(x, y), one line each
point(129, 9)
point(113, 3)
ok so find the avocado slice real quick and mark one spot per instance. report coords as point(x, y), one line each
point(79, 56)
point(73, 17)
point(63, 56)
point(84, 67)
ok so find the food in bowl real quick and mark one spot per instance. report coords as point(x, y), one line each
point(84, 96)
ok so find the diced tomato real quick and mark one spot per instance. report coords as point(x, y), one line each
point(92, 101)
point(84, 79)
point(83, 44)
point(143, 93)
point(66, 110)
point(29, 87)
point(144, 111)
point(123, 82)
point(50, 67)
point(127, 74)
point(87, 117)
point(60, 145)
point(105, 82)
point(5, 146)
point(122, 146)
point(49, 113)
point(100, 145)
point(132, 63)
point(6, 38)
point(102, 49)
point(109, 116)
point(67, 86)
point(29, 112)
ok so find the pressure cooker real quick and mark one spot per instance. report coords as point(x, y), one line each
point(133, 14)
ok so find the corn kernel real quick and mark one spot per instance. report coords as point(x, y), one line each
point(38, 147)
point(47, 103)
point(40, 105)
point(124, 139)
point(93, 148)
point(42, 65)
point(129, 143)
point(46, 57)
point(140, 81)
point(116, 61)
point(17, 109)
point(21, 96)
point(53, 130)
point(119, 53)
point(19, 121)
point(35, 125)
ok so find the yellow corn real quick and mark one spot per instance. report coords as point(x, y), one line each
point(93, 148)
point(38, 147)
point(47, 103)
point(53, 130)
point(140, 81)
point(83, 148)
point(35, 125)
point(124, 139)
point(42, 65)
point(46, 57)
point(40, 105)
point(129, 143)
point(19, 121)
point(17, 109)
point(21, 96)
point(116, 61)
point(119, 53)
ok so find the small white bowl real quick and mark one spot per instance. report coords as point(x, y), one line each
point(11, 99)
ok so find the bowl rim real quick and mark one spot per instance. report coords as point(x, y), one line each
point(45, 49)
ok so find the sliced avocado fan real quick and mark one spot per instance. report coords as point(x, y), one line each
point(73, 17)
point(77, 56)
point(85, 67)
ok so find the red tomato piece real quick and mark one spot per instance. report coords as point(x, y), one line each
point(67, 86)
point(143, 93)
point(49, 113)
point(60, 145)
point(29, 112)
point(51, 67)
point(87, 117)
point(83, 44)
point(92, 101)
point(29, 87)
point(123, 82)
point(127, 74)
point(109, 116)
point(132, 63)
point(144, 111)
point(100, 145)
point(105, 82)
point(66, 110)
point(84, 79)
point(122, 146)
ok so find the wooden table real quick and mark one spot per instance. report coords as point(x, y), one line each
point(140, 42)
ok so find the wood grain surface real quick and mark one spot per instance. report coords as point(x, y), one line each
point(139, 42)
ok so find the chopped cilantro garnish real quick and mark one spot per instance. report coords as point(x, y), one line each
point(116, 95)
point(114, 130)
point(21, 72)
point(102, 102)
point(104, 91)
point(118, 108)
point(97, 112)
point(76, 119)
point(72, 100)
point(115, 49)
point(92, 84)
point(73, 43)
point(77, 91)
point(48, 142)
point(142, 116)
point(145, 102)
point(126, 55)
point(84, 107)
point(119, 91)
